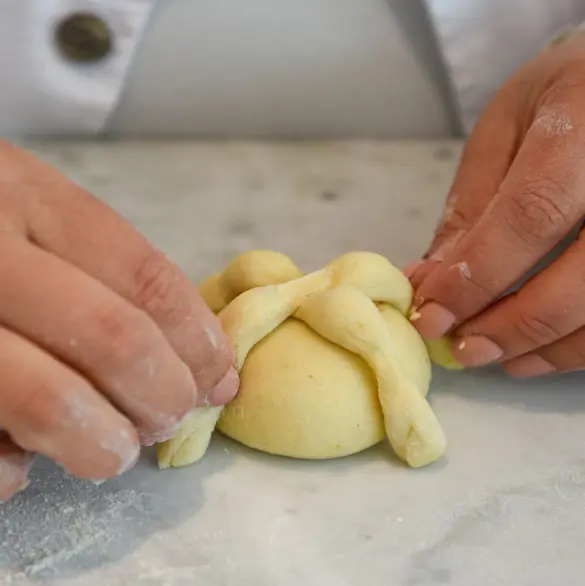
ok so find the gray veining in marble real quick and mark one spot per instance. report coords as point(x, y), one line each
point(506, 506)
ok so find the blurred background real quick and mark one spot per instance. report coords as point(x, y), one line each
point(341, 68)
point(294, 69)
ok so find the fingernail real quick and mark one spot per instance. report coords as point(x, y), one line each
point(24, 486)
point(146, 439)
point(130, 463)
point(224, 391)
point(528, 366)
point(433, 320)
point(476, 351)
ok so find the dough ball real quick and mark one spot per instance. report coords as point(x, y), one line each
point(302, 396)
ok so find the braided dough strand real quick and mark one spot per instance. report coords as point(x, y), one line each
point(348, 318)
point(338, 303)
point(250, 270)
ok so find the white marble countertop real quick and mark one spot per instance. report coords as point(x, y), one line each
point(507, 505)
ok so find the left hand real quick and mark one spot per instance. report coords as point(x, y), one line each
point(519, 191)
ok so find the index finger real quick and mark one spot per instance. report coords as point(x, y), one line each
point(539, 202)
point(65, 219)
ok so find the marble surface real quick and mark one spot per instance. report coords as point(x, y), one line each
point(506, 506)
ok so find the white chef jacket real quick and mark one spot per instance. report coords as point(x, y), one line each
point(269, 67)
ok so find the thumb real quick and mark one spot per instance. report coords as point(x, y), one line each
point(488, 154)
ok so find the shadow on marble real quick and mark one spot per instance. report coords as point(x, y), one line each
point(355, 462)
point(310, 470)
point(561, 393)
point(61, 527)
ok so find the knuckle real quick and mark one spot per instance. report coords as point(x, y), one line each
point(35, 411)
point(157, 288)
point(40, 404)
point(126, 335)
point(536, 329)
point(471, 284)
point(540, 212)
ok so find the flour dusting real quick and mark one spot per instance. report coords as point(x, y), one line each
point(464, 270)
point(553, 122)
point(44, 532)
point(212, 337)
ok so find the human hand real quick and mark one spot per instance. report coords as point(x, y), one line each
point(104, 344)
point(519, 191)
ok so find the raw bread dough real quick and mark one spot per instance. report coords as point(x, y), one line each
point(297, 406)
point(329, 362)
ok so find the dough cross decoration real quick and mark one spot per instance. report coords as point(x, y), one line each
point(343, 303)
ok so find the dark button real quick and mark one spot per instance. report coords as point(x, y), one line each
point(84, 38)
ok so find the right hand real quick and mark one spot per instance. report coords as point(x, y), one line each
point(104, 343)
point(518, 194)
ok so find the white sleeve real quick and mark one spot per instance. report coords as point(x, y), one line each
point(484, 41)
point(44, 93)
